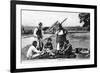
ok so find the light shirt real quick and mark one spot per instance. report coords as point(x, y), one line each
point(31, 50)
point(60, 32)
point(35, 30)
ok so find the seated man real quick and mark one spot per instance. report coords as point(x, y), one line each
point(32, 51)
point(67, 50)
point(48, 47)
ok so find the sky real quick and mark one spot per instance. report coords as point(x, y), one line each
point(48, 18)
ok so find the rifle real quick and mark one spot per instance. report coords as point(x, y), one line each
point(64, 50)
point(63, 20)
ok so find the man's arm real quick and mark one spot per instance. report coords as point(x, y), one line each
point(35, 30)
point(42, 33)
point(35, 50)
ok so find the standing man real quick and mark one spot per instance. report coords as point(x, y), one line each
point(39, 35)
point(61, 37)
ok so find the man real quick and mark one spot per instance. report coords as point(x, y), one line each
point(67, 50)
point(39, 34)
point(49, 47)
point(61, 37)
point(32, 51)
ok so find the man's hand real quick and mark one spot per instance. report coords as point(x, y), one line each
point(42, 52)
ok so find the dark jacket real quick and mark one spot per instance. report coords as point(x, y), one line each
point(39, 33)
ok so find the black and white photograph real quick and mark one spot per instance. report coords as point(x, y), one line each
point(54, 36)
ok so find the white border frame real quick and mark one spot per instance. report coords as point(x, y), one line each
point(52, 63)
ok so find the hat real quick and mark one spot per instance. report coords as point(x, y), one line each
point(40, 24)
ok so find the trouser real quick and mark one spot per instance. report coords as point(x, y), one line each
point(30, 56)
point(60, 45)
point(49, 51)
point(36, 55)
point(40, 46)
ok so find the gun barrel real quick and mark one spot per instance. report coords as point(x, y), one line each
point(64, 20)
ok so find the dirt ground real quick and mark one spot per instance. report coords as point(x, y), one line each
point(78, 40)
